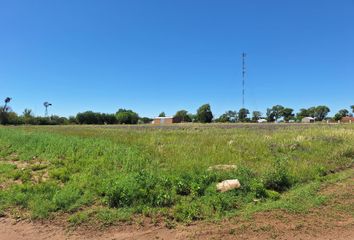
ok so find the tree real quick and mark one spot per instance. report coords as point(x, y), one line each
point(229, 116)
point(204, 114)
point(27, 116)
point(341, 113)
point(162, 114)
point(72, 120)
point(242, 114)
point(287, 114)
point(108, 118)
point(145, 120)
point(321, 112)
point(127, 117)
point(270, 115)
point(274, 113)
point(193, 117)
point(352, 107)
point(88, 117)
point(182, 116)
point(302, 113)
point(256, 115)
point(312, 111)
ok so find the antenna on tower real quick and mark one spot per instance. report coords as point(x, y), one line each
point(46, 105)
point(243, 78)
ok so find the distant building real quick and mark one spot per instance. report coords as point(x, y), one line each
point(261, 120)
point(347, 120)
point(308, 120)
point(163, 120)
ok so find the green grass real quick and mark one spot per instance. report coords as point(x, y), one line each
point(130, 171)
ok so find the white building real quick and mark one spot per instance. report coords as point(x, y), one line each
point(308, 120)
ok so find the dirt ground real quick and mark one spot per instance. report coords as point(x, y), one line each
point(334, 220)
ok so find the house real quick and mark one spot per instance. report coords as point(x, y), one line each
point(163, 120)
point(308, 120)
point(347, 120)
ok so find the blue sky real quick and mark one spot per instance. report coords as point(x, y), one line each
point(153, 56)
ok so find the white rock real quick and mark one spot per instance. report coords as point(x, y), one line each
point(228, 185)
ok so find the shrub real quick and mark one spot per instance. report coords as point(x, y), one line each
point(258, 189)
point(278, 178)
point(188, 211)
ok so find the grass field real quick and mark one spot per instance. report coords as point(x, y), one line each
point(110, 174)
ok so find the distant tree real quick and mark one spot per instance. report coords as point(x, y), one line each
point(223, 118)
point(352, 107)
point(270, 115)
point(204, 114)
point(193, 117)
point(229, 116)
point(88, 117)
point(232, 115)
point(302, 113)
point(341, 113)
point(127, 117)
point(256, 115)
point(145, 120)
point(287, 114)
point(28, 116)
point(108, 118)
point(182, 116)
point(321, 112)
point(57, 120)
point(274, 113)
point(72, 120)
point(242, 114)
point(27, 113)
point(312, 111)
point(162, 114)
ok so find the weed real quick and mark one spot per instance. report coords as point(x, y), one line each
point(278, 178)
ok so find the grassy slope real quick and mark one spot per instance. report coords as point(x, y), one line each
point(111, 174)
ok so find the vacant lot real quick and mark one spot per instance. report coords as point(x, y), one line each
point(113, 175)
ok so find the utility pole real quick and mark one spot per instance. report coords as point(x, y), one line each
point(243, 78)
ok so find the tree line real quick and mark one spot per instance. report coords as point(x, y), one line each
point(203, 115)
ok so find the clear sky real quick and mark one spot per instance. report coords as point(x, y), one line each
point(164, 55)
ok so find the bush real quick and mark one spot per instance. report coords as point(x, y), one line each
point(258, 189)
point(188, 211)
point(278, 178)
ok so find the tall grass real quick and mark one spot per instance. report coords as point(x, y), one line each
point(161, 170)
